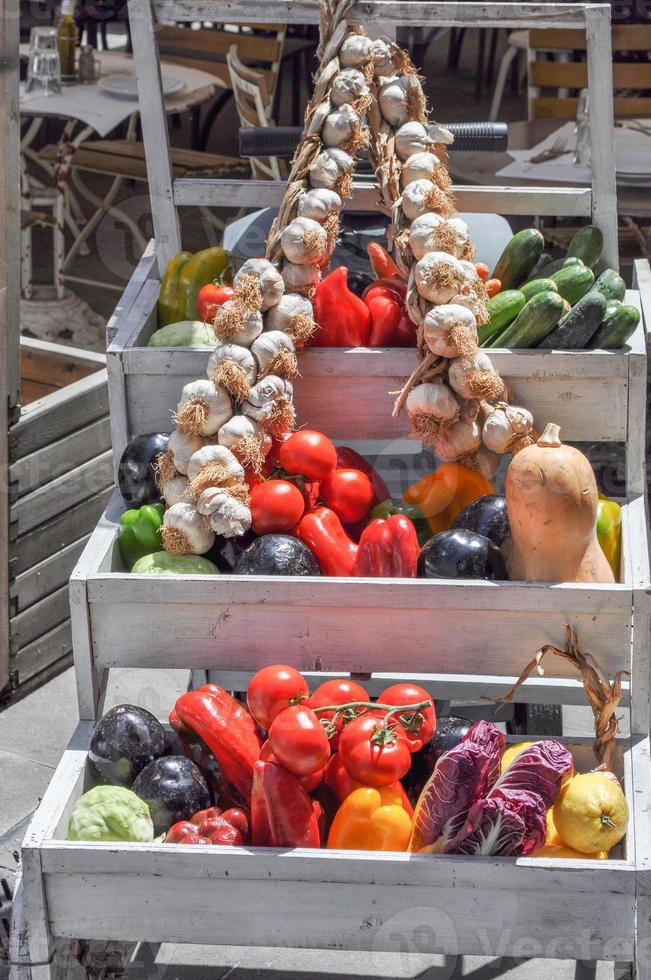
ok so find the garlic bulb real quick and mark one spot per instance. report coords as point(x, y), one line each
point(439, 277)
point(486, 463)
point(450, 330)
point(429, 406)
point(293, 315)
point(203, 408)
point(301, 279)
point(318, 204)
point(411, 138)
point(274, 353)
point(237, 324)
point(356, 50)
point(232, 368)
point(457, 440)
point(433, 233)
point(340, 127)
point(421, 196)
point(270, 404)
point(348, 86)
point(229, 516)
point(504, 426)
point(304, 242)
point(439, 134)
point(330, 167)
point(244, 436)
point(220, 460)
point(401, 99)
point(175, 490)
point(269, 279)
point(420, 166)
point(382, 61)
point(185, 532)
point(182, 445)
point(475, 377)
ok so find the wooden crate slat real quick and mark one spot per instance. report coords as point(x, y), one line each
point(61, 493)
point(384, 13)
point(56, 364)
point(40, 618)
point(555, 107)
point(59, 457)
point(623, 38)
point(47, 576)
point(58, 533)
point(43, 652)
point(574, 74)
point(49, 418)
point(212, 192)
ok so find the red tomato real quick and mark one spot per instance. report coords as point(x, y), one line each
point(342, 785)
point(339, 691)
point(309, 782)
point(350, 494)
point(276, 506)
point(372, 756)
point(299, 741)
point(348, 459)
point(272, 690)
point(482, 270)
point(308, 453)
point(210, 298)
point(420, 725)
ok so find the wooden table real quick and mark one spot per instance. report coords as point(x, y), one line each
point(481, 168)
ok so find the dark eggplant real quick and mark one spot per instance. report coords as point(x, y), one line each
point(450, 729)
point(488, 516)
point(358, 282)
point(136, 474)
point(461, 554)
point(173, 789)
point(225, 551)
point(276, 554)
point(123, 742)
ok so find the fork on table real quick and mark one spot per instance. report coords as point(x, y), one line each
point(557, 149)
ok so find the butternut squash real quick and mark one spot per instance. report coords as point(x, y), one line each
point(551, 497)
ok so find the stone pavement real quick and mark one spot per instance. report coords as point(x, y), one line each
point(33, 734)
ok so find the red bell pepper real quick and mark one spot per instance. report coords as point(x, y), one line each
point(390, 325)
point(342, 784)
point(225, 728)
point(388, 549)
point(342, 318)
point(212, 826)
point(282, 814)
point(323, 533)
point(381, 262)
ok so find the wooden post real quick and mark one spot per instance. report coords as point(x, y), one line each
point(167, 229)
point(602, 133)
point(9, 289)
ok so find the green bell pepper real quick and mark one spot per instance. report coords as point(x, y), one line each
point(184, 277)
point(387, 508)
point(168, 297)
point(139, 532)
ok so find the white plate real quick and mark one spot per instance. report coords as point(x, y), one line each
point(126, 86)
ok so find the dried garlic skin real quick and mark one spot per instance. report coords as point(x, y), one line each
point(356, 50)
point(419, 166)
point(319, 204)
point(304, 242)
point(182, 448)
point(185, 531)
point(269, 279)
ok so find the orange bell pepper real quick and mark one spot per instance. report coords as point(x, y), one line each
point(371, 820)
point(442, 495)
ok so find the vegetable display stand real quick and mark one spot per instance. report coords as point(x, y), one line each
point(60, 479)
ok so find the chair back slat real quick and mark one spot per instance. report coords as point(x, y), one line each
point(554, 85)
point(253, 107)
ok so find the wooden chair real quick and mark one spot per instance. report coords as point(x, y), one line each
point(253, 105)
point(554, 86)
point(207, 49)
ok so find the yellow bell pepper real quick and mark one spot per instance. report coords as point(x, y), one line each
point(371, 820)
point(442, 495)
point(609, 532)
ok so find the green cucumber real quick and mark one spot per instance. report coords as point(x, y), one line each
point(616, 329)
point(533, 323)
point(611, 285)
point(519, 257)
point(558, 264)
point(611, 306)
point(537, 286)
point(573, 282)
point(540, 268)
point(576, 328)
point(502, 310)
point(587, 245)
